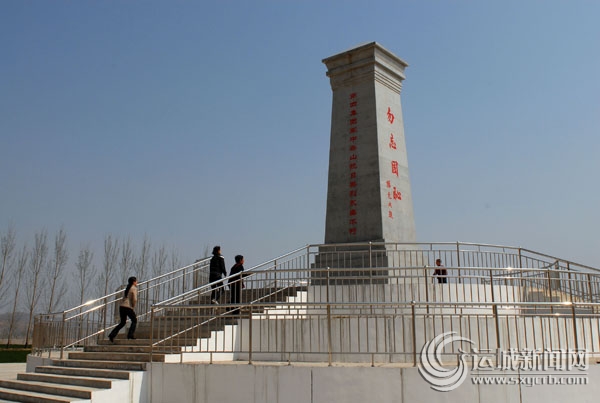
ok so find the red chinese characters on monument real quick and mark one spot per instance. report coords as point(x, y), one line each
point(390, 116)
point(353, 162)
point(393, 194)
point(392, 141)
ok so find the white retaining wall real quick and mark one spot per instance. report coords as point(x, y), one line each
point(206, 383)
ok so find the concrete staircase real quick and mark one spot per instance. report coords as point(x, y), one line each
point(115, 371)
point(105, 372)
point(222, 340)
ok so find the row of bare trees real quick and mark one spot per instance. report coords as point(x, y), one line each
point(39, 277)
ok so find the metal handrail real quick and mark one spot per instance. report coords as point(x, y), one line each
point(391, 331)
point(82, 324)
point(314, 249)
point(469, 286)
point(207, 287)
point(92, 318)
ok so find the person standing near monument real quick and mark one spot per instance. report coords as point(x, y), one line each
point(236, 283)
point(217, 271)
point(126, 310)
point(440, 272)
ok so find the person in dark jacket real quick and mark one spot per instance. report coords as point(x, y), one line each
point(236, 283)
point(440, 272)
point(217, 271)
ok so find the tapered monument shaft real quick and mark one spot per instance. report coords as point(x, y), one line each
point(368, 195)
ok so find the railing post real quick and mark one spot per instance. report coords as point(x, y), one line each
point(250, 335)
point(495, 310)
point(426, 288)
point(458, 261)
point(370, 254)
point(414, 331)
point(570, 282)
point(574, 325)
point(308, 262)
point(550, 289)
point(328, 320)
point(62, 335)
point(147, 299)
point(520, 259)
point(152, 333)
point(105, 313)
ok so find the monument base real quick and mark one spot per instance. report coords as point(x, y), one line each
point(347, 264)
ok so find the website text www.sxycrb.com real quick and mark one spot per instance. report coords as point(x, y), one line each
point(530, 380)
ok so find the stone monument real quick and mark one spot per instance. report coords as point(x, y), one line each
point(368, 194)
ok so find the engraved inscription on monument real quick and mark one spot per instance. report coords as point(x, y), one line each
point(368, 193)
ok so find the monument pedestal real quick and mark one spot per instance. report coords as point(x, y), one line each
point(348, 264)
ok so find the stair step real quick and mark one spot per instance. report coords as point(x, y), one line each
point(86, 372)
point(172, 323)
point(66, 380)
point(124, 342)
point(175, 341)
point(136, 357)
point(33, 397)
point(50, 389)
point(145, 335)
point(120, 349)
point(118, 365)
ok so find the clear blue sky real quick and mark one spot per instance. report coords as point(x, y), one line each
point(201, 123)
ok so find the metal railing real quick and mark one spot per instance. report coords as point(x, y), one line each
point(290, 301)
point(379, 332)
point(354, 264)
point(84, 324)
point(376, 258)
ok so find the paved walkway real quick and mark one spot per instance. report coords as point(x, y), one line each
point(10, 371)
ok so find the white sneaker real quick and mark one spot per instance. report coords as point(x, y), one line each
point(214, 301)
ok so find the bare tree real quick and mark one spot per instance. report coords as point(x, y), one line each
point(127, 261)
point(175, 262)
point(85, 276)
point(159, 261)
point(7, 248)
point(57, 268)
point(143, 260)
point(200, 277)
point(39, 255)
point(177, 288)
point(18, 276)
point(111, 253)
point(106, 283)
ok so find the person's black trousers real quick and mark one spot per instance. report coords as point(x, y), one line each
point(217, 288)
point(125, 313)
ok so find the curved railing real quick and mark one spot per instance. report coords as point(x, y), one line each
point(382, 332)
point(279, 277)
point(476, 273)
point(459, 255)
